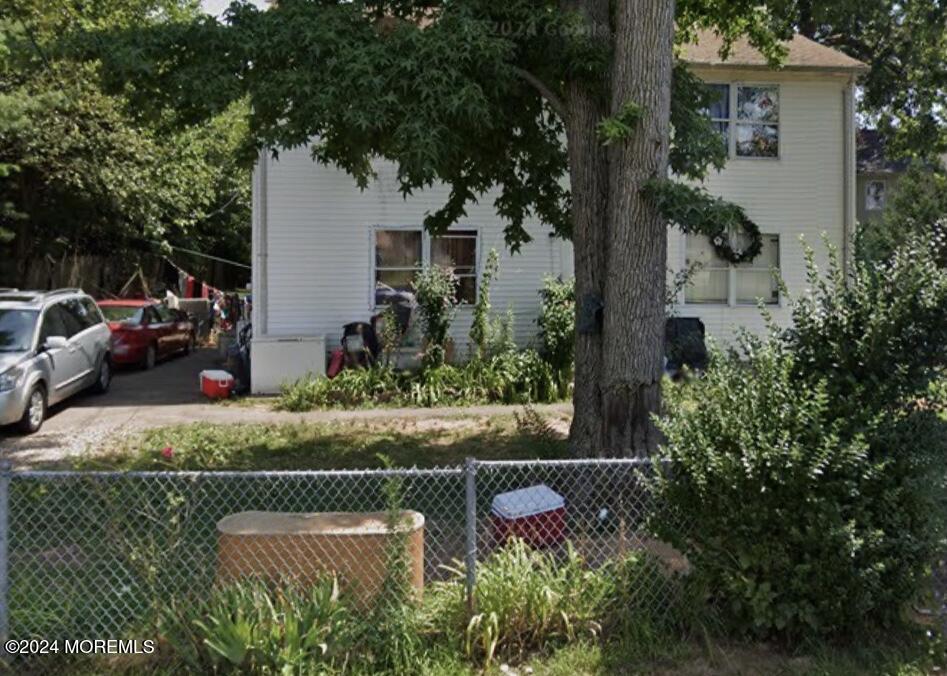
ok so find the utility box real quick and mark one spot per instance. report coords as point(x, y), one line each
point(285, 359)
point(354, 546)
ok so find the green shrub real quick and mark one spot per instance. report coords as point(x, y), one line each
point(526, 601)
point(480, 326)
point(811, 464)
point(879, 336)
point(520, 378)
point(511, 377)
point(501, 334)
point(647, 610)
point(557, 329)
point(435, 290)
point(350, 388)
point(258, 628)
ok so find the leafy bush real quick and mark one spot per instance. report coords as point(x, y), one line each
point(350, 388)
point(501, 335)
point(509, 377)
point(255, 627)
point(812, 458)
point(879, 338)
point(526, 601)
point(480, 326)
point(435, 289)
point(646, 609)
point(557, 328)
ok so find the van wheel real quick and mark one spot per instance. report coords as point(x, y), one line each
point(35, 412)
point(151, 357)
point(104, 379)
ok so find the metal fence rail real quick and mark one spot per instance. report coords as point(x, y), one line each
point(97, 554)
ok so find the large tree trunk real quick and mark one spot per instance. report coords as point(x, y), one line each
point(621, 241)
point(587, 104)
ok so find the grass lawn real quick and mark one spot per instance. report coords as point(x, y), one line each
point(339, 445)
point(734, 660)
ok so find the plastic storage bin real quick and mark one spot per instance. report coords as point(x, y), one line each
point(537, 515)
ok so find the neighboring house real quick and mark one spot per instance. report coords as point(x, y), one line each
point(877, 176)
point(321, 245)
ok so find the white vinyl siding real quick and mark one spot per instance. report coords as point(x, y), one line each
point(319, 249)
point(313, 262)
point(801, 195)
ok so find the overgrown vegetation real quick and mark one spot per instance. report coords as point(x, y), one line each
point(557, 329)
point(512, 377)
point(497, 372)
point(480, 326)
point(814, 457)
point(435, 288)
point(527, 602)
point(555, 613)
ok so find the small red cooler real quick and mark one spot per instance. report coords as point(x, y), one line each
point(216, 384)
point(537, 515)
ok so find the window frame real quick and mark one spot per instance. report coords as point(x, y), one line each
point(732, 122)
point(425, 257)
point(732, 270)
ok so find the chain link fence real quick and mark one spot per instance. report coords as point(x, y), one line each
point(98, 554)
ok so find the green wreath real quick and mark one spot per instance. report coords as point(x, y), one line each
point(736, 256)
point(694, 210)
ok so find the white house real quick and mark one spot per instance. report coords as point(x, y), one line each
point(320, 245)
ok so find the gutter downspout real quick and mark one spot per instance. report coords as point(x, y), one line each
point(849, 176)
point(259, 244)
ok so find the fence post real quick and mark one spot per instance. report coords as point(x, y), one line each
point(470, 560)
point(5, 474)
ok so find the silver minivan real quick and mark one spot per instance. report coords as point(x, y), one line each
point(53, 344)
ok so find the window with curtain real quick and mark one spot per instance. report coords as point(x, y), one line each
point(719, 282)
point(398, 258)
point(757, 121)
point(458, 250)
point(755, 280)
point(750, 113)
point(711, 281)
point(719, 111)
point(401, 253)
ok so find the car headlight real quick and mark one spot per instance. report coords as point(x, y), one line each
point(10, 379)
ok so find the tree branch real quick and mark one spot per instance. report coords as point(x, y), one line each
point(544, 90)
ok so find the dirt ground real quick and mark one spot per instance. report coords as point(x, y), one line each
point(169, 395)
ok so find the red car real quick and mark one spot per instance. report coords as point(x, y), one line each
point(144, 331)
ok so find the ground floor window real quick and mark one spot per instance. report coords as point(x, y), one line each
point(399, 253)
point(718, 282)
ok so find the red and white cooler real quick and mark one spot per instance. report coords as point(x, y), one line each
point(536, 515)
point(216, 384)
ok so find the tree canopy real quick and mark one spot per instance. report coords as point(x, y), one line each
point(80, 170)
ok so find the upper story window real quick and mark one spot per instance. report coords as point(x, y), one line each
point(875, 195)
point(401, 252)
point(719, 282)
point(748, 118)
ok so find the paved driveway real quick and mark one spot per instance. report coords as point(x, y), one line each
point(169, 395)
point(137, 399)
